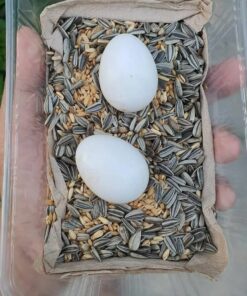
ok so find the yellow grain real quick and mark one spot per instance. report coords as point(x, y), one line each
point(97, 234)
point(87, 256)
point(72, 117)
point(166, 254)
point(50, 202)
point(104, 221)
point(146, 243)
point(54, 217)
point(85, 219)
point(158, 238)
point(72, 235)
point(70, 193)
point(114, 233)
point(147, 225)
point(89, 216)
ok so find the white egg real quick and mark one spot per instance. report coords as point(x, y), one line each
point(128, 75)
point(112, 168)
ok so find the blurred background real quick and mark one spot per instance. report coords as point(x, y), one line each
point(2, 46)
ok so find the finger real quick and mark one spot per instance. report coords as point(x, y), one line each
point(2, 124)
point(226, 146)
point(29, 136)
point(30, 69)
point(225, 78)
point(225, 196)
point(29, 170)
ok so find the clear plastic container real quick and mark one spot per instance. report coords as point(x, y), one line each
point(24, 185)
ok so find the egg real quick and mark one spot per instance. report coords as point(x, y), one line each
point(112, 168)
point(128, 75)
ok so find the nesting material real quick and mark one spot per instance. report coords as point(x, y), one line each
point(172, 225)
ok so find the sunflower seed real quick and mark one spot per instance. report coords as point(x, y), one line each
point(48, 105)
point(201, 222)
point(95, 228)
point(73, 211)
point(137, 32)
point(188, 161)
point(116, 212)
point(124, 234)
point(197, 130)
point(141, 143)
point(83, 205)
point(124, 207)
point(105, 254)
point(170, 245)
point(147, 27)
point(81, 62)
point(175, 208)
point(135, 240)
point(168, 231)
point(94, 107)
point(210, 248)
point(199, 236)
point(82, 236)
point(60, 150)
point(68, 96)
point(128, 226)
point(101, 243)
point(140, 125)
point(179, 108)
point(96, 254)
point(89, 23)
point(187, 178)
point(174, 184)
point(65, 239)
point(97, 34)
point(179, 247)
point(164, 169)
point(170, 197)
point(167, 151)
point(123, 249)
point(107, 122)
point(47, 232)
point(62, 30)
point(64, 106)
point(137, 256)
point(115, 241)
point(135, 215)
point(152, 230)
point(114, 218)
point(153, 220)
point(170, 52)
point(171, 222)
point(60, 259)
point(158, 193)
point(105, 23)
point(70, 249)
point(178, 180)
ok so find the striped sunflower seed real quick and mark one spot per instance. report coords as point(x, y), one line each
point(135, 240)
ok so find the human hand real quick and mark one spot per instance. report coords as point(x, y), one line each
point(222, 81)
point(30, 173)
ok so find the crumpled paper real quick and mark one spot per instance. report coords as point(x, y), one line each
point(195, 13)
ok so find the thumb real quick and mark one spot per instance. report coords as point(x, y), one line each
point(225, 78)
point(30, 68)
